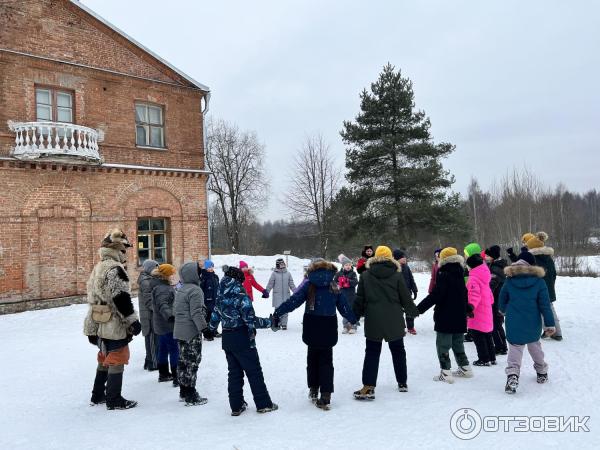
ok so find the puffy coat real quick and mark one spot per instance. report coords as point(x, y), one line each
point(409, 280)
point(524, 300)
point(210, 286)
point(347, 282)
point(382, 299)
point(250, 282)
point(543, 258)
point(449, 295)
point(319, 325)
point(481, 298)
point(109, 285)
point(190, 312)
point(146, 282)
point(163, 297)
point(281, 283)
point(497, 270)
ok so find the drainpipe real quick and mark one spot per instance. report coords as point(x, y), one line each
point(204, 111)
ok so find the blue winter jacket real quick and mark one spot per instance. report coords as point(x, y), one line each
point(524, 300)
point(234, 310)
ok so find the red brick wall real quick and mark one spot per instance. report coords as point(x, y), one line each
point(55, 217)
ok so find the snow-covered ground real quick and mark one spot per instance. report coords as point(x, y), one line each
point(48, 368)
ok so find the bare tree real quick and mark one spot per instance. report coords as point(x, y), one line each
point(236, 160)
point(314, 182)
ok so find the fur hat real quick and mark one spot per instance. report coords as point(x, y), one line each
point(166, 270)
point(493, 252)
point(538, 241)
point(447, 252)
point(149, 265)
point(383, 252)
point(236, 274)
point(116, 240)
point(343, 260)
point(398, 254)
point(472, 249)
point(243, 264)
point(526, 237)
point(280, 263)
point(526, 257)
point(208, 264)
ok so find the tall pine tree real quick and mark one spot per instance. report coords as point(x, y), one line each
point(394, 167)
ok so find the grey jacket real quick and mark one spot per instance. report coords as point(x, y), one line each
point(163, 297)
point(281, 283)
point(190, 312)
point(146, 283)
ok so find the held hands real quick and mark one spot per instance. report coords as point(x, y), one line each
point(549, 331)
point(265, 294)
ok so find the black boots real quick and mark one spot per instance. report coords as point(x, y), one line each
point(114, 400)
point(324, 402)
point(191, 396)
point(174, 375)
point(313, 394)
point(98, 394)
point(163, 373)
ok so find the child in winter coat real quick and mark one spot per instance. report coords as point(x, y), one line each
point(281, 283)
point(409, 281)
point(347, 280)
point(209, 282)
point(470, 249)
point(449, 295)
point(481, 321)
point(163, 320)
point(235, 313)
point(524, 300)
point(250, 282)
point(543, 258)
point(319, 326)
point(497, 266)
point(190, 321)
point(368, 252)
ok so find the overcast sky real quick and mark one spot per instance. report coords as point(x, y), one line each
point(510, 83)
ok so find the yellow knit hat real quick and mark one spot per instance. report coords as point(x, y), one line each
point(166, 270)
point(526, 237)
point(383, 252)
point(448, 251)
point(537, 241)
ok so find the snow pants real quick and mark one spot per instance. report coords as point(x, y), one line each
point(484, 343)
point(168, 349)
point(190, 356)
point(515, 358)
point(371, 362)
point(455, 341)
point(319, 368)
point(556, 321)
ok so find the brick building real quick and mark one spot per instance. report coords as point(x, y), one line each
point(96, 131)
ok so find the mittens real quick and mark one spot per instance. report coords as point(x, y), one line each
point(265, 294)
point(93, 340)
point(136, 327)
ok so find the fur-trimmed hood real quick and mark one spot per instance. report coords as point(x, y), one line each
point(549, 251)
point(321, 264)
point(516, 270)
point(452, 259)
point(380, 259)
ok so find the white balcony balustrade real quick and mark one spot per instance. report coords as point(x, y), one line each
point(55, 140)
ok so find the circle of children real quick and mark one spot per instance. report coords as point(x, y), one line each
point(474, 294)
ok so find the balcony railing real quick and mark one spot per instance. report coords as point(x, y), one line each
point(55, 140)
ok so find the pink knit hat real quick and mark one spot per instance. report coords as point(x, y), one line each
point(243, 264)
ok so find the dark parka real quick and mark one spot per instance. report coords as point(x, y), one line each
point(409, 280)
point(146, 282)
point(449, 296)
point(382, 299)
point(543, 258)
point(497, 270)
point(210, 286)
point(163, 296)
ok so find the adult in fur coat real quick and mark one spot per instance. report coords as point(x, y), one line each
point(111, 320)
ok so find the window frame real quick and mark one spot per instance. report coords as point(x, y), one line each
point(147, 125)
point(151, 233)
point(54, 90)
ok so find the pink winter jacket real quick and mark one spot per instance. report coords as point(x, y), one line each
point(482, 299)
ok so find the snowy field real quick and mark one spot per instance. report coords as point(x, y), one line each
point(48, 368)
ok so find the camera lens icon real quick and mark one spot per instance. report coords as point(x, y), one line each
point(466, 424)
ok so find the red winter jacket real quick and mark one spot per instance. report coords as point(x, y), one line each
point(249, 283)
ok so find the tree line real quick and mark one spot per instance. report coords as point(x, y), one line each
point(396, 190)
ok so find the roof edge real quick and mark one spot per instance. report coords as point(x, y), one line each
point(142, 47)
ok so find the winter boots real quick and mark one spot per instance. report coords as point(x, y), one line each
point(114, 400)
point(480, 363)
point(240, 411)
point(412, 331)
point(324, 402)
point(445, 376)
point(402, 387)
point(273, 407)
point(463, 372)
point(313, 394)
point(163, 373)
point(191, 396)
point(366, 393)
point(98, 391)
point(174, 375)
point(512, 383)
point(542, 378)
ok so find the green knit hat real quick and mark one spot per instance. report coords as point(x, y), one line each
point(472, 249)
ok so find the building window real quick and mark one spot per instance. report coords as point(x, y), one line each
point(153, 240)
point(149, 125)
point(54, 105)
